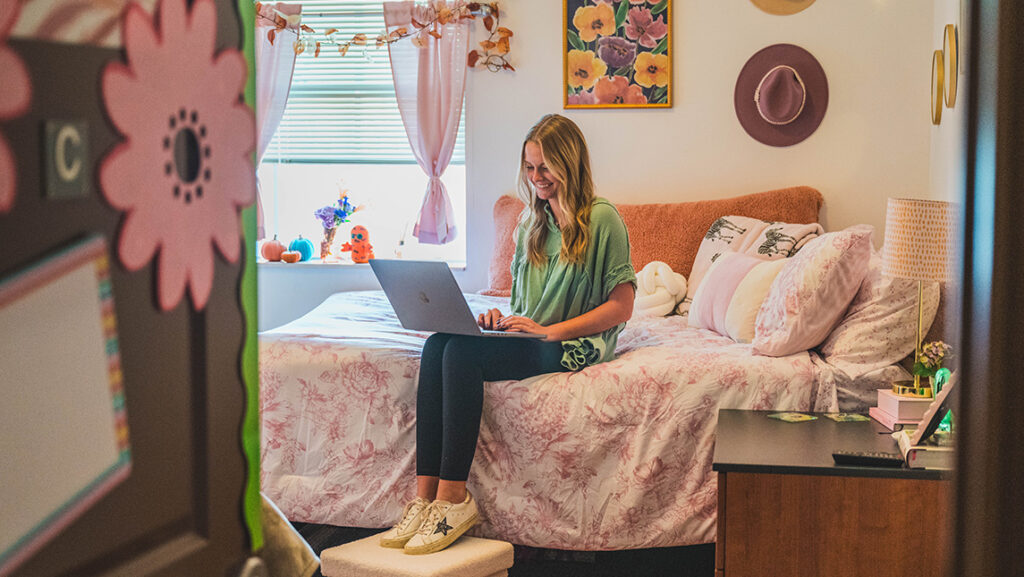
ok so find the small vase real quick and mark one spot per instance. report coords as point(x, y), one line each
point(325, 244)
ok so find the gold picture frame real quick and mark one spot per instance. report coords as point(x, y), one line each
point(616, 54)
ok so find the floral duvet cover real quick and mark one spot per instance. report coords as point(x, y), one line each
point(616, 456)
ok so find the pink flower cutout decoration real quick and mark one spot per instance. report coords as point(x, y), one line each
point(15, 97)
point(185, 169)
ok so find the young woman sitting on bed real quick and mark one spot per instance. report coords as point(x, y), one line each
point(572, 281)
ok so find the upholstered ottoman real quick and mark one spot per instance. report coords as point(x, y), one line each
point(467, 557)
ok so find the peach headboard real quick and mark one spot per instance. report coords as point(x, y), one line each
point(669, 232)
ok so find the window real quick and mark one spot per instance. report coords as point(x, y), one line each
point(342, 130)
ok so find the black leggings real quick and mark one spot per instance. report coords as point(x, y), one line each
point(450, 398)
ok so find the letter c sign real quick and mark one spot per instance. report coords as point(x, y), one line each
point(67, 159)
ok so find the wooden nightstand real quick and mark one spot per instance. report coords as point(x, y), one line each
point(785, 508)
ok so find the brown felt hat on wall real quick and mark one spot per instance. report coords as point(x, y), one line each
point(781, 95)
point(782, 7)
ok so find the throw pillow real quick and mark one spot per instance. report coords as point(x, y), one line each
point(507, 211)
point(880, 327)
point(658, 290)
point(741, 234)
point(730, 296)
point(812, 292)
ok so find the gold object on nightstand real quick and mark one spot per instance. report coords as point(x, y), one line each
point(918, 235)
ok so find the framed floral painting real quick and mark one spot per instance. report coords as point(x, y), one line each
point(617, 54)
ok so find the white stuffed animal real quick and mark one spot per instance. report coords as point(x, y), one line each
point(658, 290)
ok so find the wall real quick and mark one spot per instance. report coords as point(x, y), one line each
point(948, 139)
point(875, 140)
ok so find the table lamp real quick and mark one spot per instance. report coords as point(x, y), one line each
point(918, 237)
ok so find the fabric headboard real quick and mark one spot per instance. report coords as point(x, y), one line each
point(668, 232)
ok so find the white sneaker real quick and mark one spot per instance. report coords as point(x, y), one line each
point(412, 517)
point(443, 524)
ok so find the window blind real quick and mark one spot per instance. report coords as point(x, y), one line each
point(342, 109)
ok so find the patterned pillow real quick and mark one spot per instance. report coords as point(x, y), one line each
point(880, 328)
point(811, 293)
point(731, 294)
point(768, 240)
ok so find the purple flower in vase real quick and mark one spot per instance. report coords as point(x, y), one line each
point(326, 216)
point(616, 52)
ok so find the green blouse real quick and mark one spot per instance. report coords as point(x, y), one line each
point(557, 291)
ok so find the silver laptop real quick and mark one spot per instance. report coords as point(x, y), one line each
point(426, 297)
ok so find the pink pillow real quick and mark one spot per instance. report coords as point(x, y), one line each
point(812, 292)
point(880, 327)
point(507, 211)
point(731, 294)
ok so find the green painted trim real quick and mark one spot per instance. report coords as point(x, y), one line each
point(250, 359)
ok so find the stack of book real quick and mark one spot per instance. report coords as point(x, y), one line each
point(895, 411)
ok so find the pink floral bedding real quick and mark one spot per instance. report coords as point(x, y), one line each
point(617, 456)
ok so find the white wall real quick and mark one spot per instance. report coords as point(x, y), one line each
point(875, 140)
point(949, 138)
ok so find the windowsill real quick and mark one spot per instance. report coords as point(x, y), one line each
point(317, 263)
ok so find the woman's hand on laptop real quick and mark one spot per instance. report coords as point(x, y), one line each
point(524, 325)
point(489, 320)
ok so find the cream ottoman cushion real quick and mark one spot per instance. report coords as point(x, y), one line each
point(467, 557)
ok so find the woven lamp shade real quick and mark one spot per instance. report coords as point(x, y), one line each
point(918, 239)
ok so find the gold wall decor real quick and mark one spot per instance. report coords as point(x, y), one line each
point(938, 71)
point(951, 49)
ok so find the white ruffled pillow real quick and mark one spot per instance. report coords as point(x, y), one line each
point(658, 290)
point(880, 327)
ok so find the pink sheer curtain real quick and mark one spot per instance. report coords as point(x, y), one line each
point(275, 64)
point(430, 81)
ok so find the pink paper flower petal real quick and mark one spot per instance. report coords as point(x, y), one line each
point(176, 95)
point(15, 98)
point(230, 70)
point(16, 94)
point(201, 278)
point(8, 14)
point(202, 37)
point(172, 276)
point(141, 42)
point(138, 242)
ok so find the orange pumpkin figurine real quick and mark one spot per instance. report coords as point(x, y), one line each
point(362, 250)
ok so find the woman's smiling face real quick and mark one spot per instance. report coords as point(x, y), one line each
point(543, 180)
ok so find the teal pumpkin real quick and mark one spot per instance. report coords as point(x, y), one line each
point(303, 246)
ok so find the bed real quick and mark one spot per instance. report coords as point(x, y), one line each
point(616, 456)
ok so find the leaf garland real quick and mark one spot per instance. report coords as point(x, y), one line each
point(493, 52)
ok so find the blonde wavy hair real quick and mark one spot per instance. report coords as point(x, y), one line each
point(565, 154)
